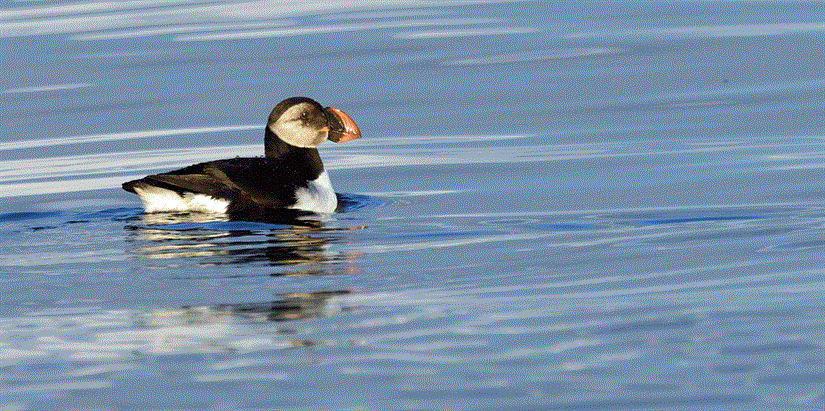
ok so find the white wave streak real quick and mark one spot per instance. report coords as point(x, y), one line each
point(604, 238)
point(735, 30)
point(80, 22)
point(382, 14)
point(428, 245)
point(92, 7)
point(24, 144)
point(534, 56)
point(62, 186)
point(123, 162)
point(337, 28)
point(356, 157)
point(465, 33)
point(599, 211)
point(46, 88)
point(180, 29)
point(20, 177)
point(182, 15)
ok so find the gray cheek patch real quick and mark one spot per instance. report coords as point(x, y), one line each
point(294, 132)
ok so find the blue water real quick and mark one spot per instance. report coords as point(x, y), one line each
point(554, 205)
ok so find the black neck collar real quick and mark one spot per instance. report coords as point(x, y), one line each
point(304, 161)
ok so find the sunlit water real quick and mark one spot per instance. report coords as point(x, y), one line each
point(554, 206)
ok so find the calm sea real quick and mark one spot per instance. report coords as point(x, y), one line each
point(555, 205)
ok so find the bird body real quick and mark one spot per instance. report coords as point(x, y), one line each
point(290, 175)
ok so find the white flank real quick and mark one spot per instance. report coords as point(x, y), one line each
point(159, 199)
point(318, 196)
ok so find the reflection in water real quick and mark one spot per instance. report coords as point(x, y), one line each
point(116, 336)
point(187, 326)
point(298, 243)
point(295, 243)
point(291, 306)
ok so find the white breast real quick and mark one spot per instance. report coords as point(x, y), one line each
point(160, 199)
point(318, 196)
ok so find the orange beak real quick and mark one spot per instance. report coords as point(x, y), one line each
point(345, 129)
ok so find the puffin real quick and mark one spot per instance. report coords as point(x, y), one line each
point(290, 176)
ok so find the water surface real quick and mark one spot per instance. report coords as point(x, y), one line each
point(561, 205)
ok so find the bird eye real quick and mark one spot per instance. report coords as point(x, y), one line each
point(305, 115)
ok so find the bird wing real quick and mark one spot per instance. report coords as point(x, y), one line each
point(254, 182)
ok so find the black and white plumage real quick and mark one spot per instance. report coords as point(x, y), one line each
point(289, 176)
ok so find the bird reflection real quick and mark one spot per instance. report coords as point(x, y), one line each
point(290, 307)
point(297, 243)
point(234, 327)
point(276, 244)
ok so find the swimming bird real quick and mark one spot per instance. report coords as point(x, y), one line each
point(289, 176)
